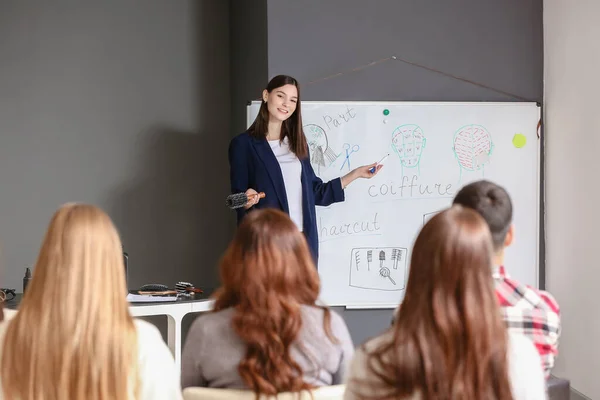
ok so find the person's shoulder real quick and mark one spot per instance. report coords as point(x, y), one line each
point(8, 313)
point(147, 332)
point(542, 300)
point(359, 366)
point(376, 342)
point(550, 300)
point(8, 316)
point(3, 326)
point(159, 377)
point(317, 313)
point(525, 368)
point(337, 318)
point(224, 315)
point(241, 138)
point(151, 345)
point(240, 144)
point(212, 323)
point(519, 294)
point(522, 350)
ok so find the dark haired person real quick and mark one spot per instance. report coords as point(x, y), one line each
point(531, 312)
point(272, 157)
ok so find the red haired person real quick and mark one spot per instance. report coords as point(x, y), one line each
point(267, 332)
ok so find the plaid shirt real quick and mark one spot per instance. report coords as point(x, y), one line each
point(530, 312)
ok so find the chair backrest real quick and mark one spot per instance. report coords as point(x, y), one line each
point(335, 392)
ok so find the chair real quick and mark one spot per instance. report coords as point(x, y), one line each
point(335, 392)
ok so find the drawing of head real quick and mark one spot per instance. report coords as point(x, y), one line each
point(472, 147)
point(408, 142)
point(318, 145)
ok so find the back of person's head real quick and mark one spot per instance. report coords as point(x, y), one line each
point(267, 274)
point(73, 337)
point(448, 341)
point(493, 203)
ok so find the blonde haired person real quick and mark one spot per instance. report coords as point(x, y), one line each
point(73, 337)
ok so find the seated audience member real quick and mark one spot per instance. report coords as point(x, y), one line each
point(448, 340)
point(267, 333)
point(533, 313)
point(73, 337)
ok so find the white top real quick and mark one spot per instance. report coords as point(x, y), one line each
point(159, 378)
point(8, 313)
point(524, 369)
point(291, 169)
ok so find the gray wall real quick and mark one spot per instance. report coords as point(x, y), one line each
point(124, 104)
point(496, 43)
point(249, 55)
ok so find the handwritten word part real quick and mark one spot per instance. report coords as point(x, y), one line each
point(340, 119)
point(411, 188)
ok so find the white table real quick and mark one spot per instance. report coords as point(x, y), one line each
point(175, 312)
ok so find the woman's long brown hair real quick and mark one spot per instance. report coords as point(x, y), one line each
point(291, 127)
point(449, 340)
point(267, 274)
point(73, 337)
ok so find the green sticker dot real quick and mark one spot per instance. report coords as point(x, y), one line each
point(386, 112)
point(519, 140)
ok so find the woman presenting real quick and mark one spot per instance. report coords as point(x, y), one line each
point(272, 157)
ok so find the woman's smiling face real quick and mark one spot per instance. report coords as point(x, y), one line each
point(281, 102)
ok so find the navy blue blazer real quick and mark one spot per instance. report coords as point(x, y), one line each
point(252, 164)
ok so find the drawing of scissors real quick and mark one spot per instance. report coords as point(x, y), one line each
point(349, 150)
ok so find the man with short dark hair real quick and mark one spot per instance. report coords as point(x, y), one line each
point(531, 312)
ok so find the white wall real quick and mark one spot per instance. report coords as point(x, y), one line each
point(572, 67)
